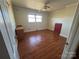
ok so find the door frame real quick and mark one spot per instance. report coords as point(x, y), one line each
point(67, 54)
point(11, 48)
point(6, 37)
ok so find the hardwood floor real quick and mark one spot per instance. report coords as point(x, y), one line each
point(43, 44)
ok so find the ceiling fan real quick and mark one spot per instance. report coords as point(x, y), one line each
point(46, 6)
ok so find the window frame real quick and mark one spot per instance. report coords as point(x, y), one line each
point(35, 17)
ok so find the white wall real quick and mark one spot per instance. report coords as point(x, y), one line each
point(21, 16)
point(64, 16)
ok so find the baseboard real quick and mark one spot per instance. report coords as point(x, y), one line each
point(64, 36)
point(36, 30)
point(60, 34)
point(50, 30)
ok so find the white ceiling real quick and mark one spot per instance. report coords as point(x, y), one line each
point(39, 4)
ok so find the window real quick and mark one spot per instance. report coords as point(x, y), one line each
point(38, 18)
point(31, 18)
point(34, 18)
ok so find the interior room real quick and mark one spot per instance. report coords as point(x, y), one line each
point(43, 27)
point(39, 29)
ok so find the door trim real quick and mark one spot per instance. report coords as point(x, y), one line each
point(71, 37)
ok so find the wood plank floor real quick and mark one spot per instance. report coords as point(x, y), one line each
point(43, 44)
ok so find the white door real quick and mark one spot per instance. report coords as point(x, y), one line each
point(6, 37)
point(9, 28)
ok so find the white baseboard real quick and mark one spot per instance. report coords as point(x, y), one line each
point(60, 34)
point(50, 29)
point(63, 35)
point(34, 30)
